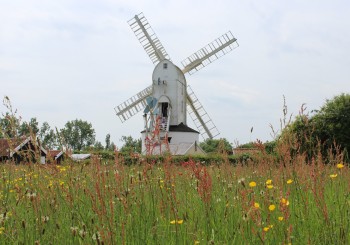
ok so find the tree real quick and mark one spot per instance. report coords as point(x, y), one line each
point(98, 146)
point(327, 128)
point(9, 125)
point(108, 141)
point(78, 134)
point(216, 145)
point(130, 145)
point(29, 128)
point(47, 137)
point(332, 122)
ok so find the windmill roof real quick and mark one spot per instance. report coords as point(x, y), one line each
point(181, 128)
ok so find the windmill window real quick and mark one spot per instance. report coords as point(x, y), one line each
point(165, 66)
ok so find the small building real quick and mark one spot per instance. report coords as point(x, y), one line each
point(23, 149)
point(55, 156)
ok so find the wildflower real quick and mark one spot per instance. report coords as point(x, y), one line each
point(284, 201)
point(280, 218)
point(340, 165)
point(252, 184)
point(45, 219)
point(96, 236)
point(196, 242)
point(173, 222)
point(241, 181)
point(333, 176)
point(290, 181)
point(266, 229)
point(269, 186)
point(256, 205)
point(268, 182)
point(82, 233)
point(74, 230)
point(272, 207)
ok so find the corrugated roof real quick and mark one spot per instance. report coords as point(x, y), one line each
point(79, 157)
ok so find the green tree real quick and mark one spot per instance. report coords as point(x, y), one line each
point(48, 137)
point(130, 145)
point(29, 128)
point(325, 129)
point(10, 121)
point(108, 141)
point(216, 145)
point(9, 125)
point(78, 134)
point(98, 146)
point(332, 122)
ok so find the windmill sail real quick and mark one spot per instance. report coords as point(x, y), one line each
point(209, 53)
point(133, 105)
point(200, 117)
point(148, 39)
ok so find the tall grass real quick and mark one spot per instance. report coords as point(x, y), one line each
point(106, 203)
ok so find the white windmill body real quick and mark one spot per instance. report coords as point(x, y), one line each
point(168, 100)
point(169, 90)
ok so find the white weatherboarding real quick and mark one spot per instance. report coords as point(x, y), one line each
point(165, 103)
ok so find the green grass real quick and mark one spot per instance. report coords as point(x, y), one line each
point(174, 204)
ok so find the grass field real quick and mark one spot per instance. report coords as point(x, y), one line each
point(110, 203)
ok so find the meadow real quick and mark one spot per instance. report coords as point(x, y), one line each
point(100, 202)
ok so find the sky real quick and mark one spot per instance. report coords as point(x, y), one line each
point(78, 59)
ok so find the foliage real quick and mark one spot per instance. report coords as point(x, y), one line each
point(216, 145)
point(29, 128)
point(327, 131)
point(48, 137)
point(98, 146)
point(130, 145)
point(78, 134)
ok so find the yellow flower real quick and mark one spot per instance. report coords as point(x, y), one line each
point(256, 205)
point(196, 242)
point(290, 181)
point(280, 218)
point(266, 229)
point(252, 184)
point(340, 165)
point(284, 201)
point(272, 207)
point(333, 176)
point(268, 182)
point(173, 222)
point(269, 186)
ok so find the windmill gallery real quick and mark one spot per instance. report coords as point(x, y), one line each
point(166, 102)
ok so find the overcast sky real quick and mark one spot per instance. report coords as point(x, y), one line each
point(65, 60)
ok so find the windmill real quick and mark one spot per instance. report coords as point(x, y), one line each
point(166, 102)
